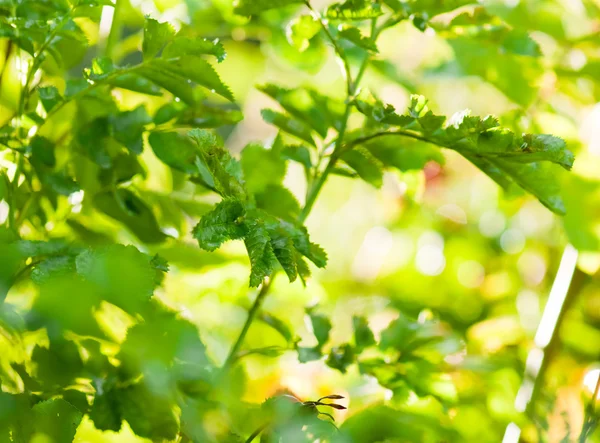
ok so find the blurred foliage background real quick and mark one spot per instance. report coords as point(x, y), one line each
point(443, 242)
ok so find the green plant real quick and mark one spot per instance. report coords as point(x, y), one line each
point(105, 346)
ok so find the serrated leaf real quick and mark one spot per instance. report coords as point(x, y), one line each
point(289, 125)
point(353, 35)
point(182, 45)
point(221, 224)
point(260, 251)
point(218, 170)
point(185, 69)
point(156, 36)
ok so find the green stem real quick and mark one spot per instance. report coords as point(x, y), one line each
point(255, 434)
point(251, 315)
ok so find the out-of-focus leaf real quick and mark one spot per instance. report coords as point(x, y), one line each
point(254, 7)
point(125, 207)
point(289, 125)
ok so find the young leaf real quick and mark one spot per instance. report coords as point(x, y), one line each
point(262, 167)
point(301, 30)
point(321, 326)
point(353, 10)
point(260, 251)
point(156, 36)
point(221, 224)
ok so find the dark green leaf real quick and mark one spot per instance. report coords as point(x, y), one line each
point(289, 125)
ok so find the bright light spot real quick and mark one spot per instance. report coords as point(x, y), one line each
point(431, 238)
point(453, 212)
point(171, 231)
point(492, 223)
point(532, 268)
point(523, 396)
point(49, 226)
point(471, 274)
point(577, 59)
point(512, 241)
point(4, 210)
point(372, 253)
point(32, 131)
point(430, 260)
point(513, 432)
point(534, 362)
point(106, 21)
point(557, 296)
point(590, 380)
point(76, 198)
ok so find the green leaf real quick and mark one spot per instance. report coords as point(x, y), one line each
point(56, 419)
point(176, 150)
point(537, 179)
point(289, 125)
point(156, 36)
point(353, 35)
point(49, 96)
point(124, 276)
point(279, 325)
point(136, 83)
point(298, 153)
point(187, 67)
point(366, 166)
point(301, 30)
point(105, 411)
point(128, 127)
point(149, 416)
point(254, 7)
point(306, 355)
point(194, 46)
point(51, 309)
point(363, 336)
point(221, 224)
point(58, 365)
point(262, 167)
point(315, 110)
point(353, 10)
point(260, 251)
point(165, 348)
point(321, 326)
point(127, 208)
point(340, 358)
point(278, 201)
point(404, 155)
point(218, 170)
